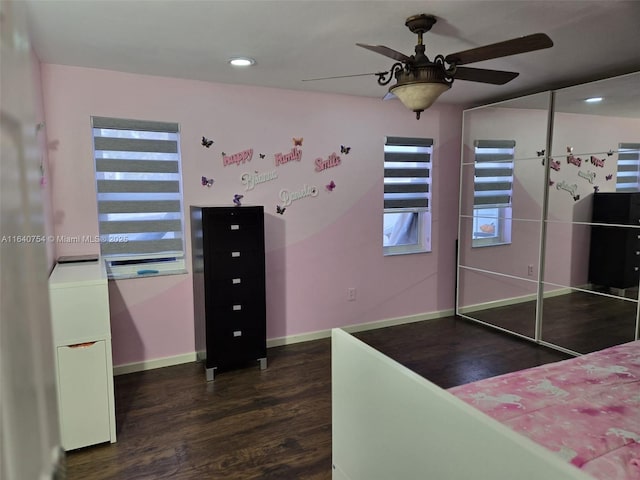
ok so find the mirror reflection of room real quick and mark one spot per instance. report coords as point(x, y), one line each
point(552, 251)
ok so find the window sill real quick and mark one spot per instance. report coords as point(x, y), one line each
point(492, 244)
point(404, 251)
point(142, 273)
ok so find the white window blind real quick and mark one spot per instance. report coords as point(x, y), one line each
point(407, 195)
point(628, 171)
point(138, 185)
point(493, 182)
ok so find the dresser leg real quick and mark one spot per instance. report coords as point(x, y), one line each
point(263, 363)
point(209, 372)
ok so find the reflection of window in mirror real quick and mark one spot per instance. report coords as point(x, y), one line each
point(628, 172)
point(493, 191)
point(407, 197)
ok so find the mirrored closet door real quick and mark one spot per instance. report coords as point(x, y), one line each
point(535, 257)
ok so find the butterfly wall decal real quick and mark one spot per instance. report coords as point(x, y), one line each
point(596, 189)
point(261, 155)
point(609, 177)
point(206, 142)
point(236, 199)
point(576, 198)
point(207, 182)
point(297, 142)
point(569, 149)
point(331, 185)
point(345, 150)
point(280, 209)
point(610, 152)
point(540, 152)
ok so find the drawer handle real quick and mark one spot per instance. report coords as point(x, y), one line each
point(235, 227)
point(637, 252)
point(635, 269)
point(82, 345)
point(235, 254)
point(236, 281)
point(237, 308)
point(237, 333)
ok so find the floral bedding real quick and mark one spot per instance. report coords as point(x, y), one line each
point(585, 409)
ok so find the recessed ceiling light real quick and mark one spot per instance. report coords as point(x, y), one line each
point(241, 61)
point(593, 100)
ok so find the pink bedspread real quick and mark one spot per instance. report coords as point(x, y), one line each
point(586, 409)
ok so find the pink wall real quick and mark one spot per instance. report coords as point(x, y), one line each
point(315, 251)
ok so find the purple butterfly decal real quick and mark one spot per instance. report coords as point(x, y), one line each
point(237, 198)
point(207, 182)
point(331, 186)
point(261, 155)
point(609, 177)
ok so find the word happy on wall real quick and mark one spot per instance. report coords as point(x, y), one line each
point(237, 158)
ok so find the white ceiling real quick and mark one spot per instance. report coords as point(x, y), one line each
point(301, 39)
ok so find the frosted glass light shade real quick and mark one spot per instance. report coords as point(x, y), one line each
point(419, 96)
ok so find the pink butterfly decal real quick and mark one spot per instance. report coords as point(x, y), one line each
point(331, 186)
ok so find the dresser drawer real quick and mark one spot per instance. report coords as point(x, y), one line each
point(234, 263)
point(229, 346)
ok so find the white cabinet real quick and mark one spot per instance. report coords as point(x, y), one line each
point(82, 335)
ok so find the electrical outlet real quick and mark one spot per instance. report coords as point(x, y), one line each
point(351, 294)
point(530, 270)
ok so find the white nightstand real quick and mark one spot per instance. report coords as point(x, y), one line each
point(82, 339)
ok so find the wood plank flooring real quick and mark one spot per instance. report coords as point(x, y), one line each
point(275, 423)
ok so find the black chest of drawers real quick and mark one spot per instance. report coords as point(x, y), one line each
point(614, 259)
point(229, 286)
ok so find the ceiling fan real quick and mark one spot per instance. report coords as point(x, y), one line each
point(420, 81)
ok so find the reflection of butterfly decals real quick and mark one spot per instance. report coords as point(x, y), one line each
point(345, 150)
point(576, 198)
point(280, 209)
point(297, 142)
point(206, 142)
point(551, 183)
point(609, 177)
point(261, 155)
point(207, 182)
point(331, 186)
point(596, 189)
point(540, 152)
point(237, 198)
point(610, 152)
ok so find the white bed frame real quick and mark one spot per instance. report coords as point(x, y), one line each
point(389, 423)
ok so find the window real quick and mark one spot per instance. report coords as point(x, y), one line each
point(628, 174)
point(407, 180)
point(493, 190)
point(138, 185)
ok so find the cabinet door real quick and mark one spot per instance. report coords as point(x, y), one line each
point(83, 394)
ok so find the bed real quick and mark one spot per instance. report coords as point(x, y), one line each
point(540, 423)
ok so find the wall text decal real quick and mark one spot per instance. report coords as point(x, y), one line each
point(588, 175)
point(569, 188)
point(555, 164)
point(577, 161)
point(288, 196)
point(250, 180)
point(294, 154)
point(237, 158)
point(598, 162)
point(332, 160)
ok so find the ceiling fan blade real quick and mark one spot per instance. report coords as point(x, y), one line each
point(530, 43)
point(389, 96)
point(495, 77)
point(342, 76)
point(387, 52)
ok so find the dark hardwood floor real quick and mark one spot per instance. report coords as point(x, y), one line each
point(275, 423)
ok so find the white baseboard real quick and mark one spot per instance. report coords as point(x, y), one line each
point(360, 327)
point(513, 300)
point(155, 363)
point(279, 341)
